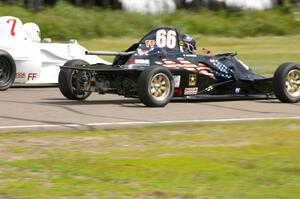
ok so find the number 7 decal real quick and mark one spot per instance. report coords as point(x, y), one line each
point(12, 30)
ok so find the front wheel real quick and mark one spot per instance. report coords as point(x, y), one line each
point(286, 83)
point(7, 70)
point(73, 83)
point(155, 86)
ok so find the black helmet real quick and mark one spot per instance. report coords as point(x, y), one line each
point(189, 43)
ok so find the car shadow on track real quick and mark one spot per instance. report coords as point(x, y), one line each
point(178, 100)
point(278, 102)
point(135, 102)
point(65, 105)
point(64, 102)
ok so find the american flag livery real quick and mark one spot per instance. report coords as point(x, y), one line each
point(200, 68)
point(223, 71)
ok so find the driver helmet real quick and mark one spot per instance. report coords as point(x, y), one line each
point(33, 32)
point(189, 44)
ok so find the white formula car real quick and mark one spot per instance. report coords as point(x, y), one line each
point(25, 59)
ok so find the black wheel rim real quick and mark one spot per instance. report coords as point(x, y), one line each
point(74, 82)
point(5, 71)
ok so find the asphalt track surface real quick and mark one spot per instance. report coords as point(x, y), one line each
point(26, 109)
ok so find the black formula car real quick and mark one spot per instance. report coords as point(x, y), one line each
point(157, 68)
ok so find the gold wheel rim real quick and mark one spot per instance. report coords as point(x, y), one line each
point(160, 87)
point(292, 83)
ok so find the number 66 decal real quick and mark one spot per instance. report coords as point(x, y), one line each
point(166, 39)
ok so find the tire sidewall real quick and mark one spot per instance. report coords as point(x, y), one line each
point(65, 80)
point(279, 82)
point(10, 81)
point(145, 81)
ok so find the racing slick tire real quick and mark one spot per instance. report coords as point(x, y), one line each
point(7, 70)
point(286, 83)
point(155, 86)
point(67, 81)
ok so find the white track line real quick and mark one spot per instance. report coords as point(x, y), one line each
point(141, 123)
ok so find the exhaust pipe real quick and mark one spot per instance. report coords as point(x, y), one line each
point(109, 53)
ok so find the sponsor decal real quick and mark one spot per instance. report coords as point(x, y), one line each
point(32, 76)
point(142, 51)
point(20, 75)
point(192, 79)
point(150, 43)
point(191, 91)
point(177, 80)
point(140, 61)
point(190, 55)
point(237, 90)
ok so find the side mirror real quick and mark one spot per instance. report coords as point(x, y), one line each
point(206, 50)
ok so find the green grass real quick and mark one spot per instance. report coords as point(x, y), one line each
point(212, 160)
point(65, 20)
point(263, 54)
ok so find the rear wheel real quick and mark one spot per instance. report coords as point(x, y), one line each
point(7, 70)
point(155, 87)
point(286, 83)
point(73, 83)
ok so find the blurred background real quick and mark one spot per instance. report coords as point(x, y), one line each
point(160, 6)
point(207, 160)
point(264, 33)
point(62, 19)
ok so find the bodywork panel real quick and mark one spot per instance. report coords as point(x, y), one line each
point(194, 75)
point(38, 62)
